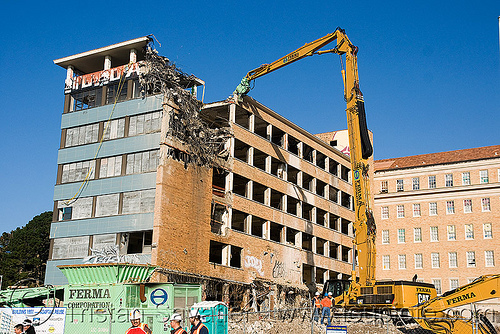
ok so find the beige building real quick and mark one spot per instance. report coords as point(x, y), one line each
point(438, 216)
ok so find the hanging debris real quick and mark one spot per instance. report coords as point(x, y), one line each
point(206, 143)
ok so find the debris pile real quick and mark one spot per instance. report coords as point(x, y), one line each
point(206, 144)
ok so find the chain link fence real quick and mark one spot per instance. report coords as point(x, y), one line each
point(303, 321)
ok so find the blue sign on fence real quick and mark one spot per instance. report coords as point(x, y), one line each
point(336, 329)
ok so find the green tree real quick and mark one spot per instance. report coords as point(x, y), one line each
point(24, 252)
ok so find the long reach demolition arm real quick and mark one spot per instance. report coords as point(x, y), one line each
point(361, 148)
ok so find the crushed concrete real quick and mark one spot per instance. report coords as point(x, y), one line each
point(206, 143)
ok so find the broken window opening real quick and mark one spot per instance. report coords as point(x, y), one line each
point(241, 150)
point(307, 153)
point(260, 127)
point(307, 242)
point(334, 250)
point(65, 213)
point(292, 174)
point(113, 92)
point(240, 185)
point(218, 218)
point(333, 194)
point(320, 246)
point(86, 99)
point(334, 222)
point(320, 274)
point(345, 200)
point(307, 182)
point(257, 226)
point(291, 205)
point(333, 167)
point(219, 181)
point(276, 199)
point(238, 220)
point(345, 226)
point(215, 252)
point(320, 160)
point(275, 232)
point(293, 145)
point(291, 235)
point(242, 118)
point(307, 211)
point(235, 260)
point(320, 217)
point(259, 192)
point(345, 173)
point(136, 242)
point(259, 159)
point(320, 188)
point(307, 274)
point(345, 253)
point(277, 136)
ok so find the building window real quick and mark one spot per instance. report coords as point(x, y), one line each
point(116, 93)
point(142, 162)
point(453, 283)
point(81, 135)
point(385, 236)
point(471, 259)
point(65, 213)
point(401, 211)
point(138, 242)
point(415, 183)
point(432, 181)
point(140, 201)
point(489, 258)
point(87, 99)
point(400, 185)
point(111, 166)
point(450, 207)
point(452, 259)
point(384, 187)
point(483, 176)
point(435, 260)
point(433, 209)
point(448, 180)
point(469, 231)
point(145, 123)
point(418, 261)
point(485, 204)
point(69, 248)
point(386, 262)
point(416, 210)
point(434, 233)
point(401, 236)
point(487, 231)
point(467, 205)
point(465, 178)
point(114, 129)
point(417, 234)
point(385, 212)
point(78, 171)
point(452, 232)
point(402, 261)
point(437, 285)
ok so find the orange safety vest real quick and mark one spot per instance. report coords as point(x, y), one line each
point(180, 330)
point(197, 330)
point(326, 302)
point(141, 329)
point(317, 302)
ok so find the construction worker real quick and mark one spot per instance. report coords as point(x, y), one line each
point(197, 326)
point(28, 327)
point(316, 303)
point(18, 329)
point(326, 303)
point(175, 323)
point(137, 327)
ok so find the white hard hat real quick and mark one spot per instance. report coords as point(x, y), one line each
point(330, 294)
point(134, 314)
point(175, 317)
point(317, 293)
point(194, 313)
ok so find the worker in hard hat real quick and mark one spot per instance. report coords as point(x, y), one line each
point(316, 303)
point(175, 323)
point(137, 327)
point(327, 305)
point(197, 326)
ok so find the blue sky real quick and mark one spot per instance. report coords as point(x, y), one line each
point(429, 71)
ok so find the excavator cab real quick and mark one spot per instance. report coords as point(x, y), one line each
point(336, 286)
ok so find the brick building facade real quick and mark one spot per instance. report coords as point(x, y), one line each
point(438, 216)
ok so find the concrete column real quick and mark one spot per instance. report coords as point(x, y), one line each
point(313, 215)
point(298, 239)
point(248, 224)
point(229, 217)
point(226, 251)
point(326, 246)
point(232, 113)
point(283, 171)
point(313, 244)
point(313, 185)
point(250, 154)
point(299, 179)
point(314, 157)
point(300, 148)
point(229, 182)
point(267, 197)
point(327, 219)
point(339, 252)
point(268, 164)
point(299, 209)
point(107, 62)
point(70, 72)
point(133, 56)
point(251, 123)
point(269, 131)
point(285, 141)
point(249, 190)
point(284, 203)
point(266, 230)
point(327, 164)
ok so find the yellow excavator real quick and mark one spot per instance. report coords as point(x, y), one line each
point(363, 292)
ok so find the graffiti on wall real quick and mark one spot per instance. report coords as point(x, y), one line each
point(255, 263)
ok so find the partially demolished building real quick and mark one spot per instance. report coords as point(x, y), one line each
point(231, 195)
